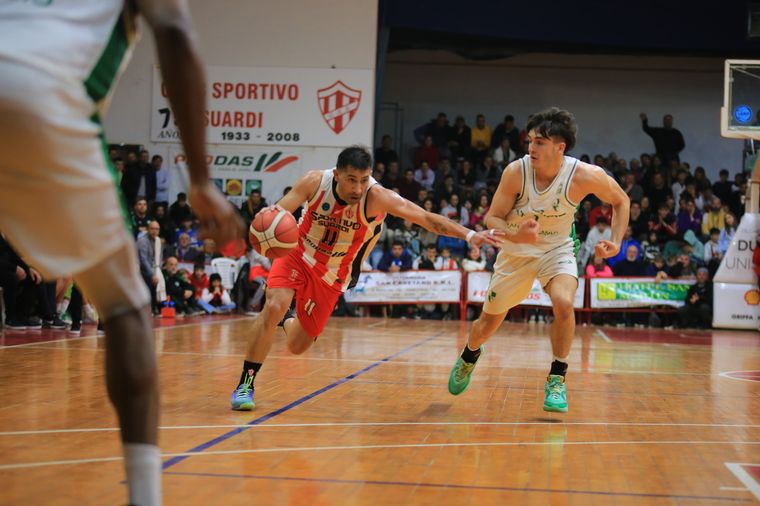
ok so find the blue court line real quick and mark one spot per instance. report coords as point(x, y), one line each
point(463, 487)
point(258, 421)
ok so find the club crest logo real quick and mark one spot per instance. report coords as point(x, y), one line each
point(338, 104)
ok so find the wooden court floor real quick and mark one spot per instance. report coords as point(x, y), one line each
point(364, 417)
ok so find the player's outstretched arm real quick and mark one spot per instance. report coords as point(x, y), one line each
point(595, 180)
point(503, 202)
point(184, 78)
point(382, 200)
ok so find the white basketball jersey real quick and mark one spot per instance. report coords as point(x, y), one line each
point(551, 208)
point(77, 42)
point(336, 236)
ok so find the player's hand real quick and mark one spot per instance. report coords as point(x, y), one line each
point(154, 280)
point(219, 220)
point(20, 273)
point(643, 116)
point(606, 249)
point(36, 276)
point(492, 236)
point(527, 233)
point(273, 207)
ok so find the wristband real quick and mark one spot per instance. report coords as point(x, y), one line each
point(470, 234)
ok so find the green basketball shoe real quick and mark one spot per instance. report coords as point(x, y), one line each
point(555, 397)
point(459, 379)
point(242, 397)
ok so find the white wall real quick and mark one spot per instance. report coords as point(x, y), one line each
point(255, 33)
point(606, 94)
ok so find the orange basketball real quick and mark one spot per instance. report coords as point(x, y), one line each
point(273, 233)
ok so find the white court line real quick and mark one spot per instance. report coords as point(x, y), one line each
point(394, 424)
point(180, 326)
point(743, 476)
point(27, 465)
point(735, 489)
point(726, 375)
point(604, 336)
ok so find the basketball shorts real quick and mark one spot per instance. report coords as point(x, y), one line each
point(59, 205)
point(513, 276)
point(315, 300)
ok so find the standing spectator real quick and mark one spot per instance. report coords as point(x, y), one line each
point(460, 139)
point(427, 153)
point(723, 187)
point(180, 210)
point(727, 234)
point(385, 154)
point(215, 299)
point(480, 140)
point(668, 141)
point(425, 176)
point(180, 290)
point(252, 206)
point(598, 268)
point(139, 179)
point(139, 217)
point(149, 255)
point(162, 180)
point(168, 228)
point(439, 130)
point(506, 130)
point(698, 306)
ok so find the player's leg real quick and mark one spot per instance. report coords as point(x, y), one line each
point(561, 290)
point(510, 284)
point(259, 344)
point(315, 303)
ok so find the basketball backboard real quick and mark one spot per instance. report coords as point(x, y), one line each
point(740, 114)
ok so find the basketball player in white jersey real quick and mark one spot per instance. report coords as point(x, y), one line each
point(59, 61)
point(341, 224)
point(535, 203)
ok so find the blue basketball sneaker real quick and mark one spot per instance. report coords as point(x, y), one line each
point(242, 397)
point(555, 397)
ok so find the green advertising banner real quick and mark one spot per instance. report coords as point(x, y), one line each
point(638, 292)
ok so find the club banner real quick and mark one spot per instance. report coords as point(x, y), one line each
point(477, 291)
point(237, 170)
point(409, 286)
point(277, 106)
point(638, 292)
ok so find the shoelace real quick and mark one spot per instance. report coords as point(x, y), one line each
point(463, 371)
point(244, 389)
point(555, 388)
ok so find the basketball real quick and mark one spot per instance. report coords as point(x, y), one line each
point(273, 233)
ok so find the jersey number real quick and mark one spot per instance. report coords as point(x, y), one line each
point(329, 237)
point(309, 306)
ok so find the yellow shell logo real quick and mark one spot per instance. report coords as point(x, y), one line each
point(752, 297)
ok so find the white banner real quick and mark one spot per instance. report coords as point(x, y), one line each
point(277, 106)
point(736, 306)
point(237, 170)
point(736, 266)
point(477, 289)
point(637, 292)
point(409, 286)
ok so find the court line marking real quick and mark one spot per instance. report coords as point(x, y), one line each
point(259, 420)
point(395, 424)
point(726, 375)
point(455, 486)
point(175, 458)
point(603, 335)
point(95, 336)
point(743, 476)
point(732, 489)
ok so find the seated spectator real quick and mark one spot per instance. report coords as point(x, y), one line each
point(503, 155)
point(714, 216)
point(698, 307)
point(445, 262)
point(479, 213)
point(582, 226)
point(727, 234)
point(700, 179)
point(455, 212)
point(408, 234)
point(427, 153)
point(252, 206)
point(651, 247)
point(713, 256)
point(184, 250)
point(678, 187)
point(179, 289)
point(467, 176)
point(188, 227)
point(473, 262)
point(392, 176)
point(631, 265)
point(723, 187)
point(396, 260)
point(604, 209)
point(488, 173)
point(480, 137)
point(427, 261)
point(180, 210)
point(408, 187)
point(691, 191)
point(438, 129)
point(454, 245)
point(209, 252)
point(681, 267)
point(689, 218)
point(199, 279)
point(425, 176)
point(600, 231)
point(215, 299)
point(632, 188)
point(139, 217)
point(385, 154)
point(664, 224)
point(628, 240)
point(657, 268)
point(638, 222)
point(598, 268)
point(460, 137)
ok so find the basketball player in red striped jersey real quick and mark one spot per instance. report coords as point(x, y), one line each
point(345, 209)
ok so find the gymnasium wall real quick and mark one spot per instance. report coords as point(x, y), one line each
point(606, 94)
point(287, 33)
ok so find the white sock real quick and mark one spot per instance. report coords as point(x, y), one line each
point(558, 359)
point(143, 465)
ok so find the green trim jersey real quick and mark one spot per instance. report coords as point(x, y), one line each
point(550, 207)
point(76, 42)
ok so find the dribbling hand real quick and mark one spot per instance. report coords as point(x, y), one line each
point(492, 236)
point(527, 233)
point(606, 249)
point(219, 219)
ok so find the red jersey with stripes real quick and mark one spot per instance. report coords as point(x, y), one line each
point(335, 236)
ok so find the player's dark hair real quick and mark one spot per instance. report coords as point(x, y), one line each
point(555, 122)
point(355, 156)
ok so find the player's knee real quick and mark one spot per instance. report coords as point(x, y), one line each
point(300, 345)
point(276, 307)
point(563, 306)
